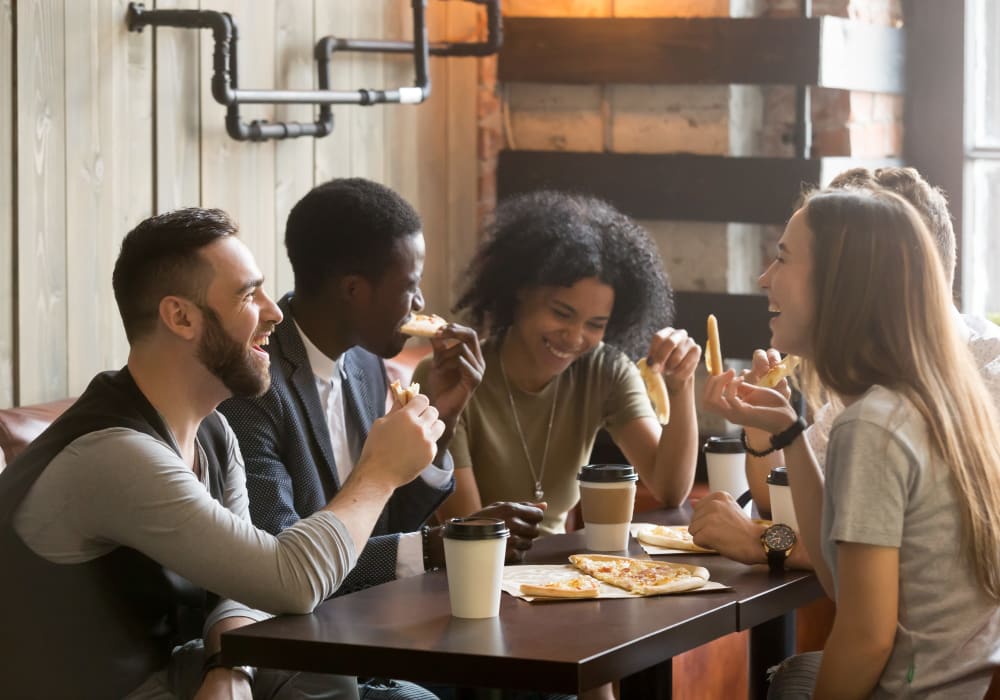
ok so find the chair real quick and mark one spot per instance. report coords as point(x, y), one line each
point(19, 426)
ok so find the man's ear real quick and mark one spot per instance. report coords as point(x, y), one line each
point(180, 316)
point(355, 289)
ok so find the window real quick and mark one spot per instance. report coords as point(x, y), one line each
point(981, 254)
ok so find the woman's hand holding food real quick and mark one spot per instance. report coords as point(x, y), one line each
point(675, 354)
point(745, 404)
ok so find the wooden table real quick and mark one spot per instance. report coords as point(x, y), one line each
point(404, 629)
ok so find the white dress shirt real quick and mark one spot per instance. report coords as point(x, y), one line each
point(347, 444)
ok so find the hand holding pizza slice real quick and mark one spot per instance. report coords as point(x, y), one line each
point(780, 371)
point(403, 396)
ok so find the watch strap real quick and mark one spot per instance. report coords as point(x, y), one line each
point(787, 436)
point(776, 558)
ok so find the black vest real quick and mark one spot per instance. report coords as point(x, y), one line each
point(100, 628)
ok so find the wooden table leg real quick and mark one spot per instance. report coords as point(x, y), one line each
point(771, 643)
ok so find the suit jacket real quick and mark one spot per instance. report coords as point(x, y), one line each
point(285, 441)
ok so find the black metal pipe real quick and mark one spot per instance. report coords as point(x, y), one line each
point(225, 69)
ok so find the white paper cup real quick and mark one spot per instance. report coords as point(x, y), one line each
point(607, 497)
point(782, 507)
point(474, 550)
point(726, 462)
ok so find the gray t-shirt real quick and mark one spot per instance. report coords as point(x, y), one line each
point(120, 487)
point(885, 487)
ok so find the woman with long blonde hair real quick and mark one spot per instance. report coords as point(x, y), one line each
point(905, 529)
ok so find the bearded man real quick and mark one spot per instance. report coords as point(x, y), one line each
point(125, 528)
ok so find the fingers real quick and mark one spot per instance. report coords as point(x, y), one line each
point(668, 349)
point(522, 520)
point(426, 415)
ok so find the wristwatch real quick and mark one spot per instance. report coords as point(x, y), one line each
point(778, 540)
point(215, 661)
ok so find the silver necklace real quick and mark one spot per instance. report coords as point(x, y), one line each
point(537, 478)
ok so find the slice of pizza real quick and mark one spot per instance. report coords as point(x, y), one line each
point(402, 395)
point(657, 390)
point(672, 537)
point(578, 587)
point(423, 325)
point(641, 576)
point(779, 371)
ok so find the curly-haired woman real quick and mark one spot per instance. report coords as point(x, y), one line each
point(569, 292)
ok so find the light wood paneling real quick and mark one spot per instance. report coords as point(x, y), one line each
point(432, 184)
point(401, 149)
point(6, 204)
point(294, 160)
point(465, 21)
point(41, 206)
point(133, 175)
point(82, 184)
point(178, 116)
point(367, 123)
point(108, 188)
point(238, 176)
point(333, 153)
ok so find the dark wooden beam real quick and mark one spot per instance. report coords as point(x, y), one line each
point(743, 320)
point(678, 187)
point(934, 132)
point(821, 51)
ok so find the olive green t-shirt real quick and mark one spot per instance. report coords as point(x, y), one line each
point(601, 389)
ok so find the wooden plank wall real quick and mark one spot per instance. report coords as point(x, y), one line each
point(103, 127)
point(7, 49)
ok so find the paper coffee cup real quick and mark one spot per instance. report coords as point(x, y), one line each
point(474, 550)
point(782, 507)
point(607, 497)
point(726, 462)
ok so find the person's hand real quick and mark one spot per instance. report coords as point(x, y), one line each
point(676, 355)
point(761, 364)
point(718, 523)
point(744, 404)
point(522, 520)
point(402, 443)
point(224, 684)
point(455, 372)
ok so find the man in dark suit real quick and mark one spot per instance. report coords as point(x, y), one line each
point(357, 252)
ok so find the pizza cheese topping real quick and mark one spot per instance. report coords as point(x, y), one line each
point(641, 576)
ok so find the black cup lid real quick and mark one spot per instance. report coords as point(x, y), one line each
point(724, 445)
point(475, 529)
point(608, 473)
point(778, 476)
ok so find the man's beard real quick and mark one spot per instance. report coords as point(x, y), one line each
point(234, 364)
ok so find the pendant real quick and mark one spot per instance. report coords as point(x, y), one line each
point(539, 494)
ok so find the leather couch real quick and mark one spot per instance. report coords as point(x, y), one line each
point(19, 426)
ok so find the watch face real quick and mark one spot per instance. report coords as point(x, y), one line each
point(779, 537)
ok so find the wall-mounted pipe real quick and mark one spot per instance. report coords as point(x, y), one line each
point(225, 69)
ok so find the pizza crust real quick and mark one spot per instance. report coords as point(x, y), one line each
point(403, 396)
point(779, 371)
point(641, 576)
point(672, 537)
point(713, 348)
point(423, 325)
point(657, 390)
point(579, 587)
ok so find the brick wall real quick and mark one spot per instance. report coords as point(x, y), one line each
point(710, 120)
